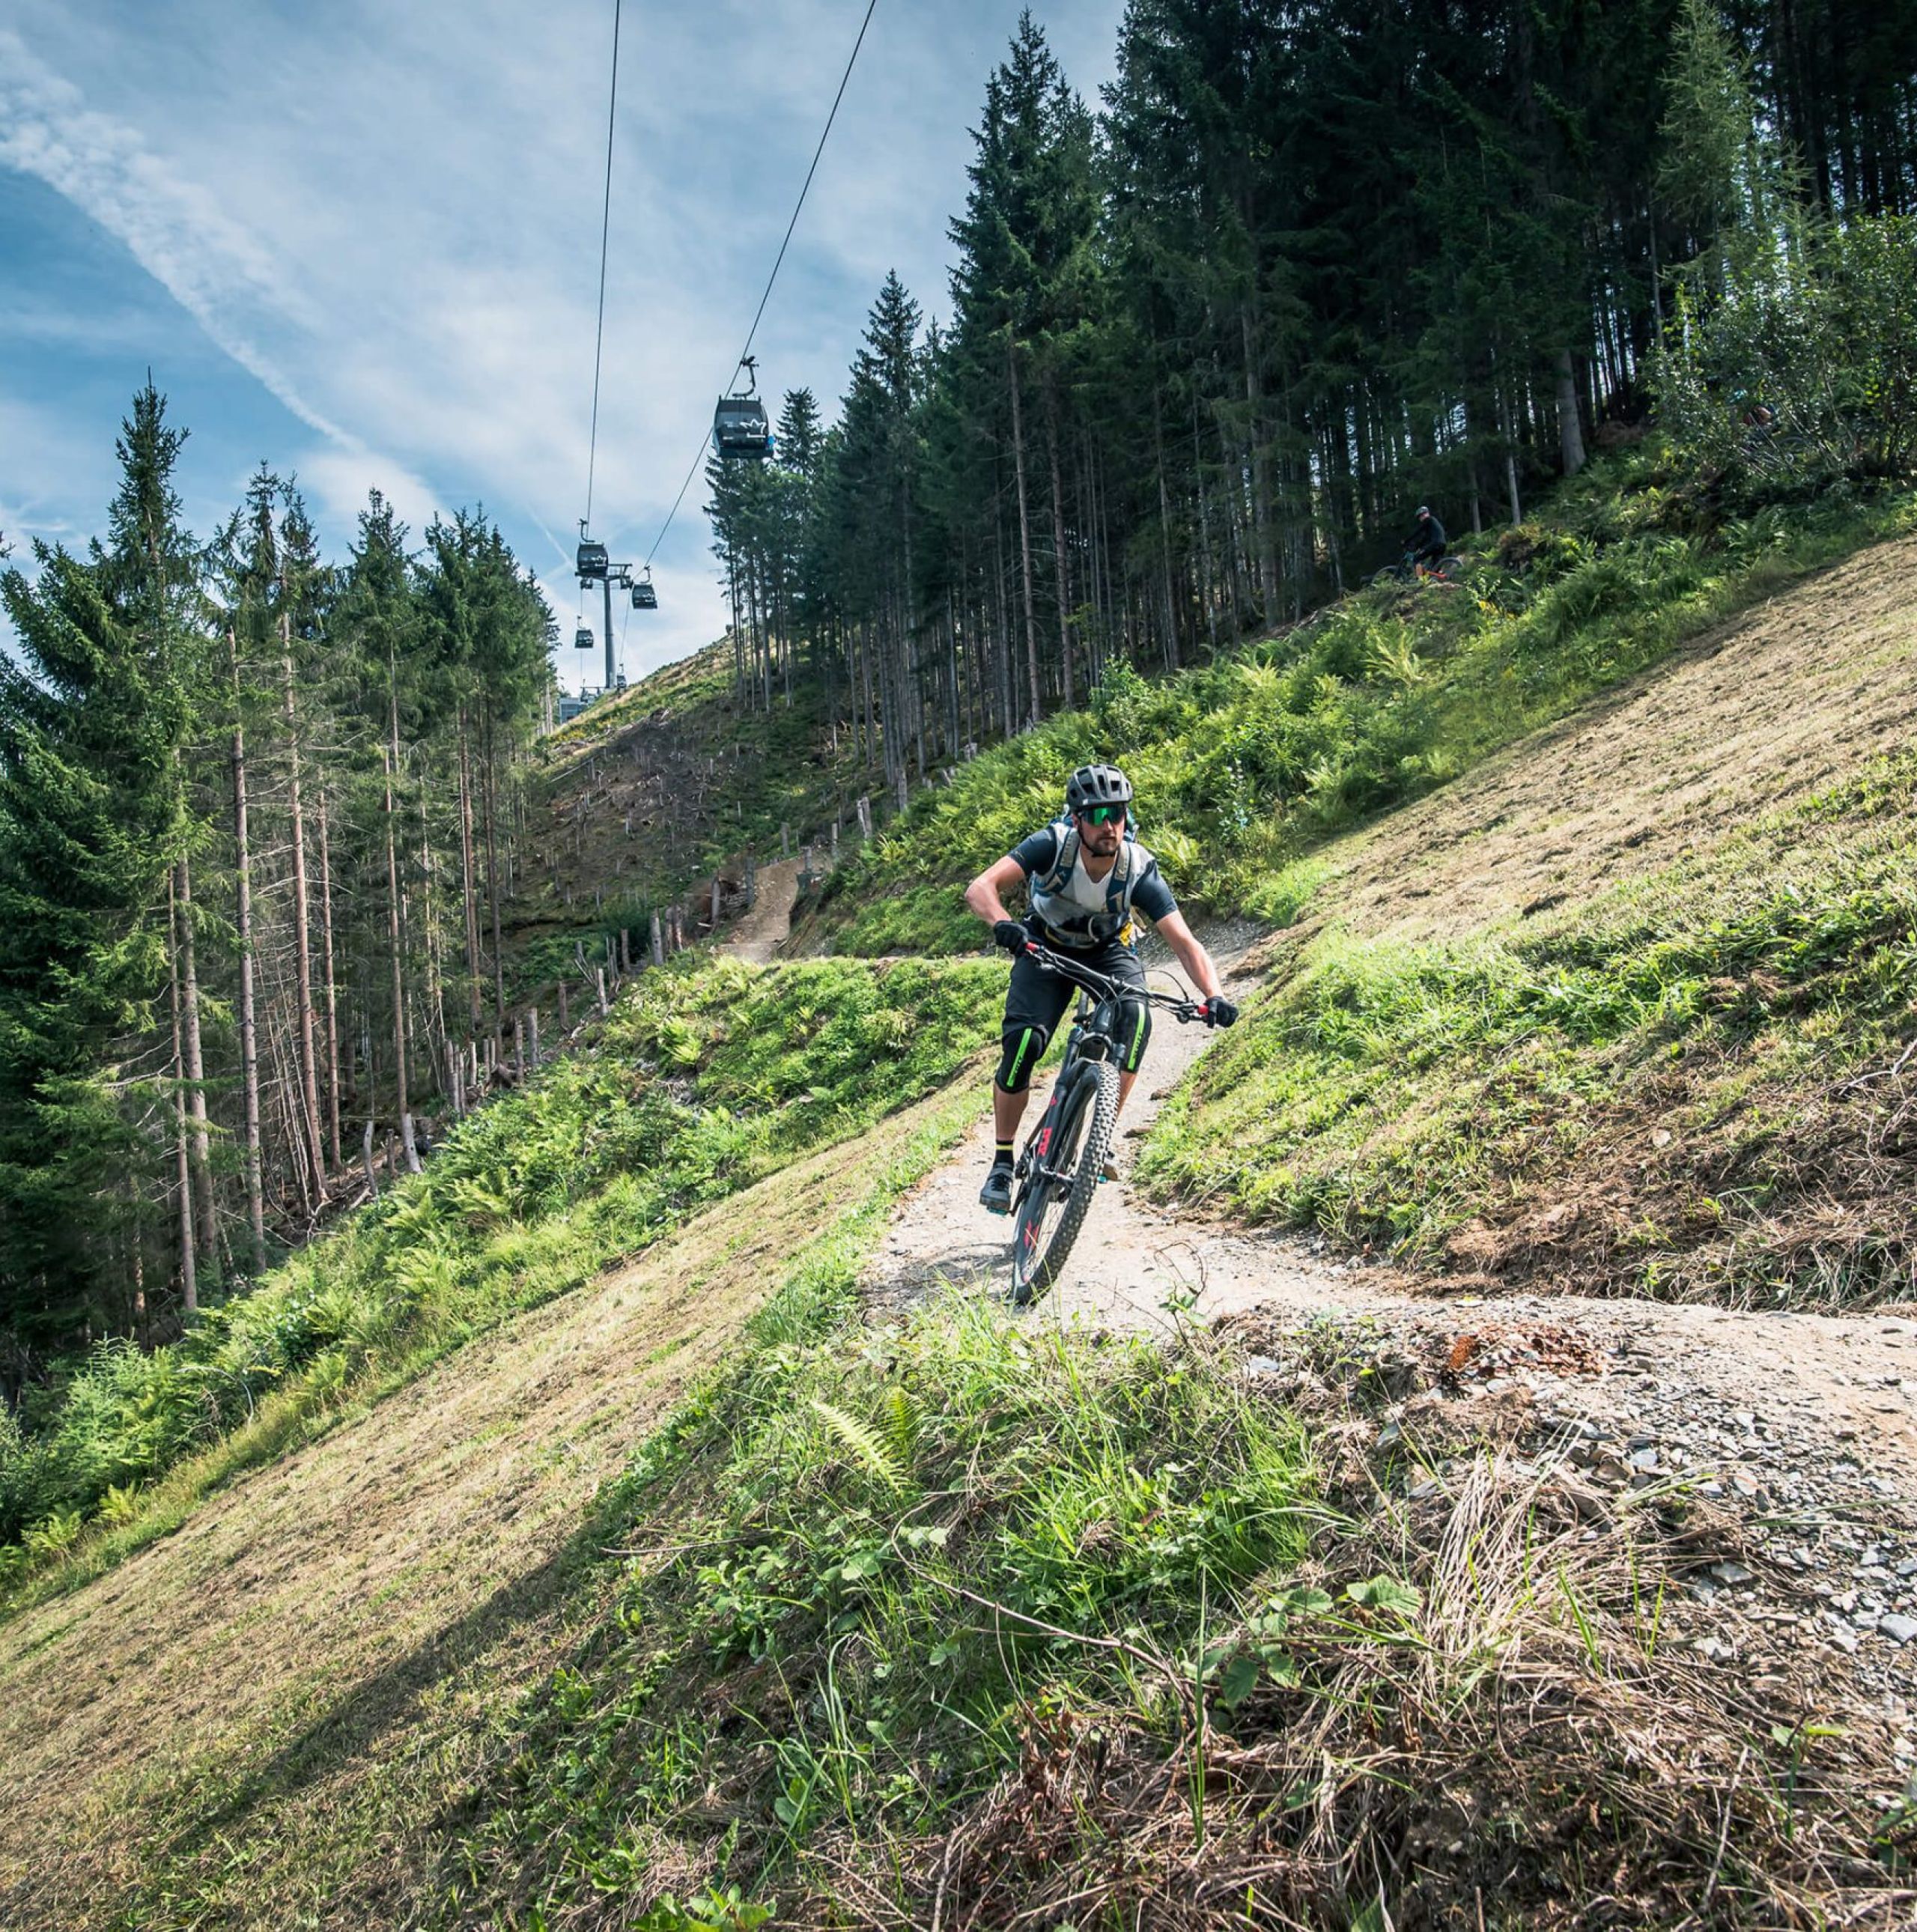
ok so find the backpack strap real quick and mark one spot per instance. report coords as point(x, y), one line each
point(1067, 857)
point(1119, 881)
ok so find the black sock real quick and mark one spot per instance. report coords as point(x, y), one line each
point(1001, 1154)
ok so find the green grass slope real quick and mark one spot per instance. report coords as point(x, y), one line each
point(1244, 768)
point(1627, 1010)
point(692, 1600)
point(709, 1076)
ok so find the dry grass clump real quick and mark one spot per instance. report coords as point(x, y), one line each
point(1520, 1749)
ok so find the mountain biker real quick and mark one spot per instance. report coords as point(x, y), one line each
point(1087, 876)
point(1424, 548)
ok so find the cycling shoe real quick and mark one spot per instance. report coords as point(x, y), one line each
point(996, 1195)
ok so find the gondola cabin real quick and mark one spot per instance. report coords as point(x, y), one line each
point(739, 428)
point(582, 638)
point(593, 561)
point(644, 597)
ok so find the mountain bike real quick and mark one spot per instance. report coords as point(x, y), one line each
point(1063, 1159)
point(1408, 570)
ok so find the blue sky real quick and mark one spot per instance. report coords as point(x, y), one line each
point(361, 242)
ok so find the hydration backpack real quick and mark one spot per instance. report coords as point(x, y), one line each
point(1079, 926)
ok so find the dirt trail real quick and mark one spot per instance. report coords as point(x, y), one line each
point(758, 935)
point(1765, 709)
point(1859, 1372)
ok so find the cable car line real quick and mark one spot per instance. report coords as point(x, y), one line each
point(605, 234)
point(745, 354)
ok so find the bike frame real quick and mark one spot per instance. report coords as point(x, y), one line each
point(1092, 1030)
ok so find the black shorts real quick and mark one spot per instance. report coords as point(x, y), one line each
point(1036, 1002)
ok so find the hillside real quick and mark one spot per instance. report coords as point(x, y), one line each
point(1624, 1009)
point(777, 1566)
point(646, 798)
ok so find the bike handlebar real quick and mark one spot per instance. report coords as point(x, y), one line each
point(1104, 987)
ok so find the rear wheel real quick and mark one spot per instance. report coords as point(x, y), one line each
point(1065, 1174)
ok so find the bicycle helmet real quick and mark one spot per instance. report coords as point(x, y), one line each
point(1096, 784)
point(1423, 510)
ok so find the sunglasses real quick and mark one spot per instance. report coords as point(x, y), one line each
point(1105, 815)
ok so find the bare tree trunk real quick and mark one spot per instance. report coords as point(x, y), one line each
point(189, 1276)
point(400, 1100)
point(1024, 532)
point(249, 1029)
point(390, 758)
point(331, 987)
point(1060, 573)
point(309, 1072)
point(1267, 554)
point(1571, 431)
point(469, 891)
point(1165, 538)
point(205, 1228)
point(490, 801)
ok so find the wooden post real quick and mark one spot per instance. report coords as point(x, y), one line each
point(366, 1149)
point(785, 841)
point(716, 902)
point(566, 1019)
point(519, 1044)
point(865, 816)
point(835, 841)
point(532, 1033)
point(626, 949)
point(805, 862)
point(751, 883)
point(455, 1086)
point(599, 975)
point(658, 942)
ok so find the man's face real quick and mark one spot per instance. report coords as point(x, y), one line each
point(1101, 830)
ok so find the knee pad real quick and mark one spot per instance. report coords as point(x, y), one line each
point(1134, 1034)
point(1023, 1047)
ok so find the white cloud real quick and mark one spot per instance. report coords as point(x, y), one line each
point(389, 217)
point(222, 274)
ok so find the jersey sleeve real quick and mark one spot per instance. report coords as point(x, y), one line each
point(1152, 896)
point(1037, 852)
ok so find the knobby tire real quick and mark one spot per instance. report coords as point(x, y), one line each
point(1089, 1114)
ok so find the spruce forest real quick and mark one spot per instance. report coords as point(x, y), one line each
point(1209, 345)
point(259, 814)
point(1210, 348)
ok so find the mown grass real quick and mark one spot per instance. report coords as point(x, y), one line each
point(708, 1076)
point(1243, 766)
point(1664, 1066)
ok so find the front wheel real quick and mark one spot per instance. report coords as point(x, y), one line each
point(1068, 1159)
